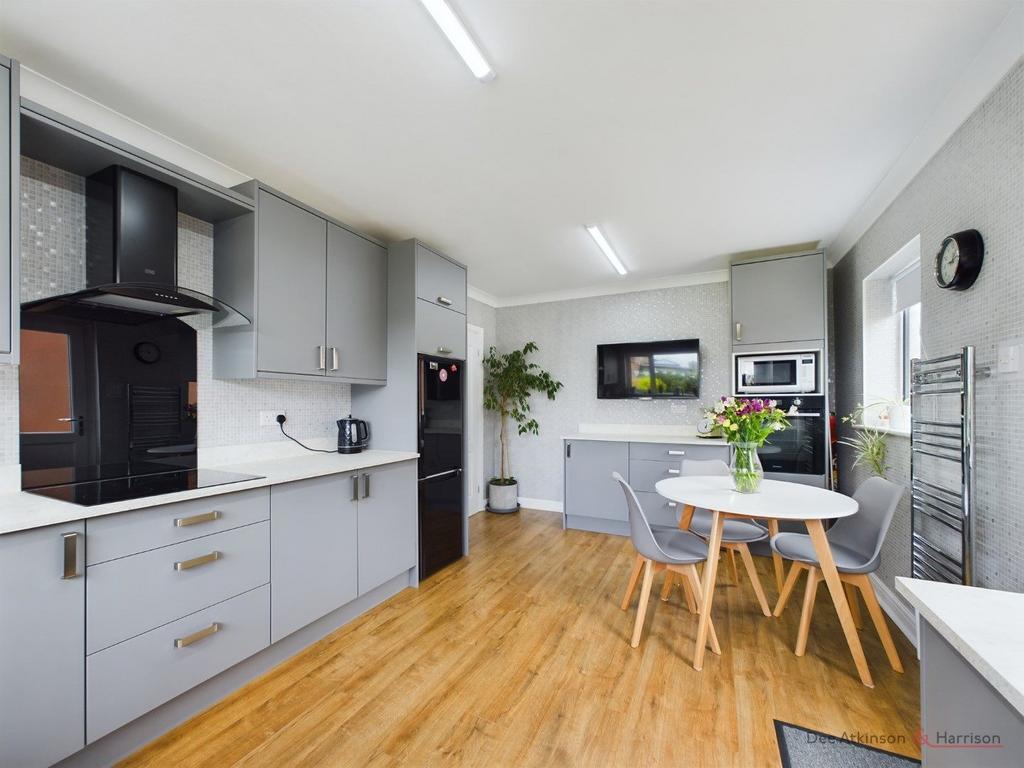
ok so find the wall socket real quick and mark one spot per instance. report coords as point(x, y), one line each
point(269, 418)
point(1008, 354)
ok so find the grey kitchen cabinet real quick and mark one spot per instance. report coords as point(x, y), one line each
point(590, 490)
point(42, 639)
point(315, 291)
point(9, 205)
point(594, 502)
point(440, 332)
point(388, 525)
point(440, 280)
point(357, 306)
point(292, 300)
point(313, 550)
point(779, 301)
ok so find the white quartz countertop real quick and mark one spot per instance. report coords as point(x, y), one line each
point(985, 626)
point(642, 433)
point(21, 511)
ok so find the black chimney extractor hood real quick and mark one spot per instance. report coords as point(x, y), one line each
point(131, 262)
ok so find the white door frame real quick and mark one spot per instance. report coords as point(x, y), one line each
point(476, 485)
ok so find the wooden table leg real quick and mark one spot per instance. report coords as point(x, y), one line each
point(708, 587)
point(780, 568)
point(686, 518)
point(835, 588)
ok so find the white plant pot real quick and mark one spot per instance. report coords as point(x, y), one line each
point(503, 499)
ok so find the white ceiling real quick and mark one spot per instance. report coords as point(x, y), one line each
point(688, 130)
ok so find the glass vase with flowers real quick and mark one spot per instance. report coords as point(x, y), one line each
point(747, 423)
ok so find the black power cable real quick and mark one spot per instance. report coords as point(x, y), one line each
point(280, 422)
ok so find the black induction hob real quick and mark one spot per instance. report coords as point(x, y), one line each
point(95, 492)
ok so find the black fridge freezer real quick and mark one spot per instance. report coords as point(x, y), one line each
point(440, 413)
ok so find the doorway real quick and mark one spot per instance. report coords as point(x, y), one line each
point(475, 483)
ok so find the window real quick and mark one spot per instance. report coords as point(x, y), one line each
point(892, 336)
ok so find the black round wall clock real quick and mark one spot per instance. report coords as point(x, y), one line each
point(147, 352)
point(958, 261)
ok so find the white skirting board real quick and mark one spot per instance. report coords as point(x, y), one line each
point(545, 505)
point(902, 615)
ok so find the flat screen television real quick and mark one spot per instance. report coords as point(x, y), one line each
point(649, 369)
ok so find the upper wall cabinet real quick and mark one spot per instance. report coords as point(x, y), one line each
point(779, 301)
point(316, 291)
point(9, 175)
point(440, 280)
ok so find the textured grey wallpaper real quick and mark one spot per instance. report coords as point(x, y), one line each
point(975, 181)
point(568, 333)
point(52, 262)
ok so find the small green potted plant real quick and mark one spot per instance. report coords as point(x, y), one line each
point(870, 448)
point(746, 424)
point(509, 382)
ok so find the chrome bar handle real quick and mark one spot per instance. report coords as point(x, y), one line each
point(355, 487)
point(677, 453)
point(672, 471)
point(322, 352)
point(444, 351)
point(74, 555)
point(444, 300)
point(195, 637)
point(335, 359)
point(739, 331)
point(366, 485)
point(205, 517)
point(195, 562)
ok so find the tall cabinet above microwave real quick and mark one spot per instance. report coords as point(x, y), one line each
point(780, 351)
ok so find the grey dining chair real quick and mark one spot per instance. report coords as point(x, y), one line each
point(661, 549)
point(856, 544)
point(737, 534)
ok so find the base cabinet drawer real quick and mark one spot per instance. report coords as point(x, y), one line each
point(131, 678)
point(658, 509)
point(440, 332)
point(132, 595)
point(643, 475)
point(676, 452)
point(130, 532)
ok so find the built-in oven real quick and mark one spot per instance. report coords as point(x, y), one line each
point(798, 452)
point(775, 373)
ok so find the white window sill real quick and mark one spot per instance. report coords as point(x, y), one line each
point(885, 430)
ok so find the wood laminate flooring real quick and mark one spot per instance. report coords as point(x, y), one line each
point(519, 655)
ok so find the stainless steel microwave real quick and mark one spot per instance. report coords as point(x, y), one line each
point(776, 373)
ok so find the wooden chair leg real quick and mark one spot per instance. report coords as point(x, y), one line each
point(666, 588)
point(851, 598)
point(687, 588)
point(780, 567)
point(755, 582)
point(691, 576)
point(732, 565)
point(641, 611)
point(813, 577)
point(878, 618)
point(787, 589)
point(634, 576)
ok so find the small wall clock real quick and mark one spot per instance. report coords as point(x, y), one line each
point(958, 261)
point(147, 352)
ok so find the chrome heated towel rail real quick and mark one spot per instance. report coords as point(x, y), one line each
point(942, 455)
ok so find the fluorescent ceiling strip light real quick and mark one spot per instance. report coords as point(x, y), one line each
point(458, 36)
point(606, 249)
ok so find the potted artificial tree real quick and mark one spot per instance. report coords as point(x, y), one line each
point(509, 381)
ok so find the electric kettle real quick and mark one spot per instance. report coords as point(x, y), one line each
point(353, 435)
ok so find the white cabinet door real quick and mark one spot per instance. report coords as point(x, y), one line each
point(42, 645)
point(388, 529)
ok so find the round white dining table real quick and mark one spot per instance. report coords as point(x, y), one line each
point(775, 501)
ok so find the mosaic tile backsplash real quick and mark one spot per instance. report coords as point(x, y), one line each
point(53, 262)
point(976, 181)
